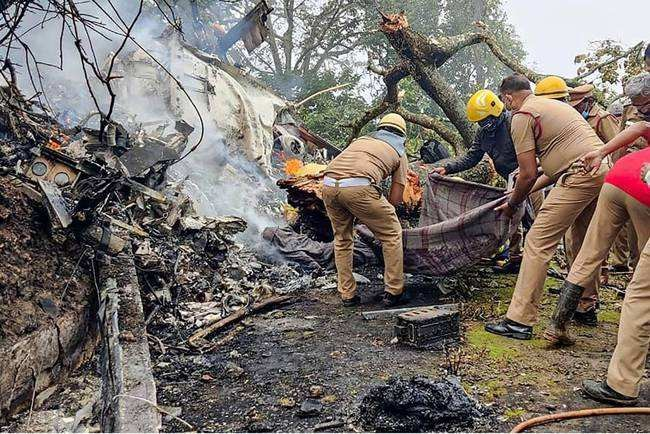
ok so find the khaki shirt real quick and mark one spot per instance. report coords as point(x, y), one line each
point(603, 123)
point(370, 158)
point(555, 130)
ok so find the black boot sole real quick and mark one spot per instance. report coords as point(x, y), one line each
point(588, 322)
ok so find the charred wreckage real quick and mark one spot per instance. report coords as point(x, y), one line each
point(130, 259)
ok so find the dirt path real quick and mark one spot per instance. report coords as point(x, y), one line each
point(258, 380)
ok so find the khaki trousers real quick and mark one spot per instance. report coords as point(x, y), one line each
point(629, 358)
point(574, 237)
point(343, 204)
point(625, 250)
point(614, 209)
point(573, 241)
point(570, 201)
point(516, 241)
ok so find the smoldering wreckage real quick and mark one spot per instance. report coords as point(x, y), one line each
point(115, 264)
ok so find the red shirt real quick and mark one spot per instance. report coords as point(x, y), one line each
point(626, 175)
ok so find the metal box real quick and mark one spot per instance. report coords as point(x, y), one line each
point(428, 328)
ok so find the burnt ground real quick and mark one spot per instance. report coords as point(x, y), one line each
point(262, 371)
point(38, 270)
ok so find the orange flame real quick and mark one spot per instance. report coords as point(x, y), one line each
point(412, 191)
point(292, 166)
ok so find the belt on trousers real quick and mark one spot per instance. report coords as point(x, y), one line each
point(346, 182)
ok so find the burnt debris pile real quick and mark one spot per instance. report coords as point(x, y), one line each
point(421, 405)
point(108, 189)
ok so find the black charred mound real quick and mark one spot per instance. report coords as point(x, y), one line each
point(421, 405)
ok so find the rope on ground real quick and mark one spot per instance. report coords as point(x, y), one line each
point(577, 414)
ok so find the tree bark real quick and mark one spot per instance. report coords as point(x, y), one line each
point(434, 124)
point(391, 79)
point(432, 82)
point(422, 57)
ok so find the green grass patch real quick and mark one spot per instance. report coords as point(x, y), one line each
point(493, 389)
point(612, 316)
point(514, 413)
point(498, 347)
point(551, 282)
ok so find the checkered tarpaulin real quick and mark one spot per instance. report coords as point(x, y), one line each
point(458, 226)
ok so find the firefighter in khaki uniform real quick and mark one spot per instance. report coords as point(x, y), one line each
point(606, 126)
point(625, 253)
point(351, 191)
point(555, 133)
point(493, 138)
point(604, 123)
point(624, 196)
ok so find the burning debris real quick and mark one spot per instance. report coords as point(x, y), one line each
point(153, 229)
point(107, 191)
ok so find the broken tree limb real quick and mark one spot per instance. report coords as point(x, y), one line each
point(422, 57)
point(238, 316)
point(446, 97)
point(434, 124)
point(320, 92)
point(391, 78)
point(638, 47)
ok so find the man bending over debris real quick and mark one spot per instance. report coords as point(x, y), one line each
point(493, 138)
point(351, 189)
point(558, 135)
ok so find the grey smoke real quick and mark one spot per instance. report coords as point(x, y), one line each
point(219, 181)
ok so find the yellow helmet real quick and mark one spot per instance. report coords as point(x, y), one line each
point(394, 120)
point(483, 104)
point(552, 87)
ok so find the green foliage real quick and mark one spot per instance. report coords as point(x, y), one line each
point(470, 69)
point(609, 76)
point(327, 114)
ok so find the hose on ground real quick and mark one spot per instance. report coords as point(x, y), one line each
point(577, 414)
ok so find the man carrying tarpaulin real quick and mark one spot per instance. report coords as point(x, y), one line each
point(606, 127)
point(351, 190)
point(493, 138)
point(558, 135)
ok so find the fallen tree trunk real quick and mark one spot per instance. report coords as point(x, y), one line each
point(421, 57)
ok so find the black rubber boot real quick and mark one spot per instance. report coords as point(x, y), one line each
point(588, 317)
point(567, 302)
point(600, 391)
